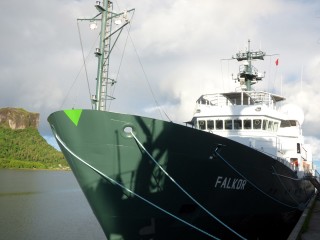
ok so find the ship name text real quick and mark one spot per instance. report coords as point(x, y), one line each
point(230, 183)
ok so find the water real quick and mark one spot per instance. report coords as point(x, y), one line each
point(44, 205)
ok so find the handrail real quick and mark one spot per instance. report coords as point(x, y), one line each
point(279, 159)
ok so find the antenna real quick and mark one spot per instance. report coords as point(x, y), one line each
point(248, 74)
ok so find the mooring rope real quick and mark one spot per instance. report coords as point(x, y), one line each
point(285, 188)
point(182, 189)
point(130, 191)
point(255, 186)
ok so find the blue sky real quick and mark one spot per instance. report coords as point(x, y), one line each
point(180, 45)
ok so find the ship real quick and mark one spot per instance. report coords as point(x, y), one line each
point(239, 169)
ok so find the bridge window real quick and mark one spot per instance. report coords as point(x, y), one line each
point(228, 124)
point(247, 124)
point(257, 123)
point(219, 124)
point(202, 124)
point(237, 124)
point(293, 122)
point(264, 124)
point(210, 124)
point(285, 123)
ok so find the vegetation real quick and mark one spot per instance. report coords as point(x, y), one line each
point(26, 148)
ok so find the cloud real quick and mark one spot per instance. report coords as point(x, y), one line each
point(39, 54)
point(314, 143)
point(180, 46)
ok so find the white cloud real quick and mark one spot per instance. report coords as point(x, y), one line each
point(315, 148)
point(180, 43)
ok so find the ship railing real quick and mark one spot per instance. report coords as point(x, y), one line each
point(240, 98)
point(313, 177)
point(262, 98)
point(316, 175)
point(284, 161)
point(287, 163)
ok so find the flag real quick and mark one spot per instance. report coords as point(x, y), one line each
point(277, 62)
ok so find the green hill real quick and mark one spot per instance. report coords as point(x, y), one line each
point(24, 147)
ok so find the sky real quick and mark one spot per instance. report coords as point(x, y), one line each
point(168, 56)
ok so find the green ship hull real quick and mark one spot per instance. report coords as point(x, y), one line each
point(151, 179)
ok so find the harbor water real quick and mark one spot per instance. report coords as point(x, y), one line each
point(44, 205)
point(37, 205)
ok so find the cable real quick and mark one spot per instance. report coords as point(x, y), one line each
point(184, 191)
point(128, 190)
point(255, 186)
point(76, 78)
point(84, 60)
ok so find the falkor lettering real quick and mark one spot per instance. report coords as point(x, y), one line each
point(230, 183)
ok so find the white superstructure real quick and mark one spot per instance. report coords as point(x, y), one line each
point(255, 119)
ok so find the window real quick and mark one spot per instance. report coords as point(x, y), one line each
point(285, 123)
point(219, 124)
point(210, 124)
point(247, 124)
point(275, 126)
point(270, 126)
point(264, 124)
point(293, 122)
point(237, 124)
point(202, 124)
point(228, 124)
point(257, 123)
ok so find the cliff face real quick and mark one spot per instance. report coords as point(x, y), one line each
point(18, 118)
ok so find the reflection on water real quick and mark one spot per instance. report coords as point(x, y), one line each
point(16, 193)
point(44, 205)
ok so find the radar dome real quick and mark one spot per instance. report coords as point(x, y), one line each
point(294, 112)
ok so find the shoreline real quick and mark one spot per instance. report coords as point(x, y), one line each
point(67, 169)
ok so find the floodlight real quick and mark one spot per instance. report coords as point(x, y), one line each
point(93, 25)
point(118, 21)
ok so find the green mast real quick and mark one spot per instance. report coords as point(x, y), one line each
point(100, 53)
point(248, 74)
point(105, 48)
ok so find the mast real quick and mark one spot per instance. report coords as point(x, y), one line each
point(104, 51)
point(248, 74)
point(101, 52)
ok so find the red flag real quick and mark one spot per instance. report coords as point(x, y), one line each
point(277, 62)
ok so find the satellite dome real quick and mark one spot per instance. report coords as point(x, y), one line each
point(294, 112)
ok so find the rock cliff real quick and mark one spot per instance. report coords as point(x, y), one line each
point(18, 118)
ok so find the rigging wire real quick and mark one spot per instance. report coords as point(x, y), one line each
point(269, 75)
point(255, 186)
point(119, 184)
point(84, 61)
point(183, 190)
point(120, 64)
point(83, 65)
point(148, 82)
point(285, 188)
point(222, 74)
point(144, 73)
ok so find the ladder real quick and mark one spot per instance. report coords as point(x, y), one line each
point(313, 180)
